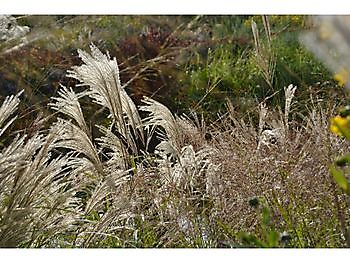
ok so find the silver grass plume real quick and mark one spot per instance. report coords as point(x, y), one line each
point(68, 104)
point(279, 131)
point(262, 117)
point(35, 204)
point(194, 175)
point(160, 115)
point(108, 201)
point(111, 142)
point(74, 138)
point(256, 36)
point(289, 95)
point(189, 171)
point(101, 75)
point(7, 108)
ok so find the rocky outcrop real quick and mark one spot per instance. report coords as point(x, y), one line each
point(9, 29)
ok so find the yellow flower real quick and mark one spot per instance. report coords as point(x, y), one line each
point(342, 77)
point(296, 19)
point(339, 123)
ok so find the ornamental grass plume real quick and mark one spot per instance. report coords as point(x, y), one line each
point(101, 75)
point(278, 132)
point(289, 95)
point(160, 117)
point(102, 164)
point(7, 108)
point(35, 198)
point(68, 104)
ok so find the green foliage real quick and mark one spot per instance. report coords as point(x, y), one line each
point(231, 70)
point(267, 236)
point(339, 176)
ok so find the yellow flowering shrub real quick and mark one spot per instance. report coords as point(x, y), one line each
point(342, 76)
point(340, 125)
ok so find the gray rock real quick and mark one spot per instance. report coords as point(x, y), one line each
point(9, 29)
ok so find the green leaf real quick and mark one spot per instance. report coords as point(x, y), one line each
point(273, 238)
point(342, 161)
point(344, 131)
point(265, 216)
point(251, 240)
point(339, 178)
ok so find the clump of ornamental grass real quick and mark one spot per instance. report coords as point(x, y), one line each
point(280, 162)
point(36, 200)
point(66, 170)
point(286, 164)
